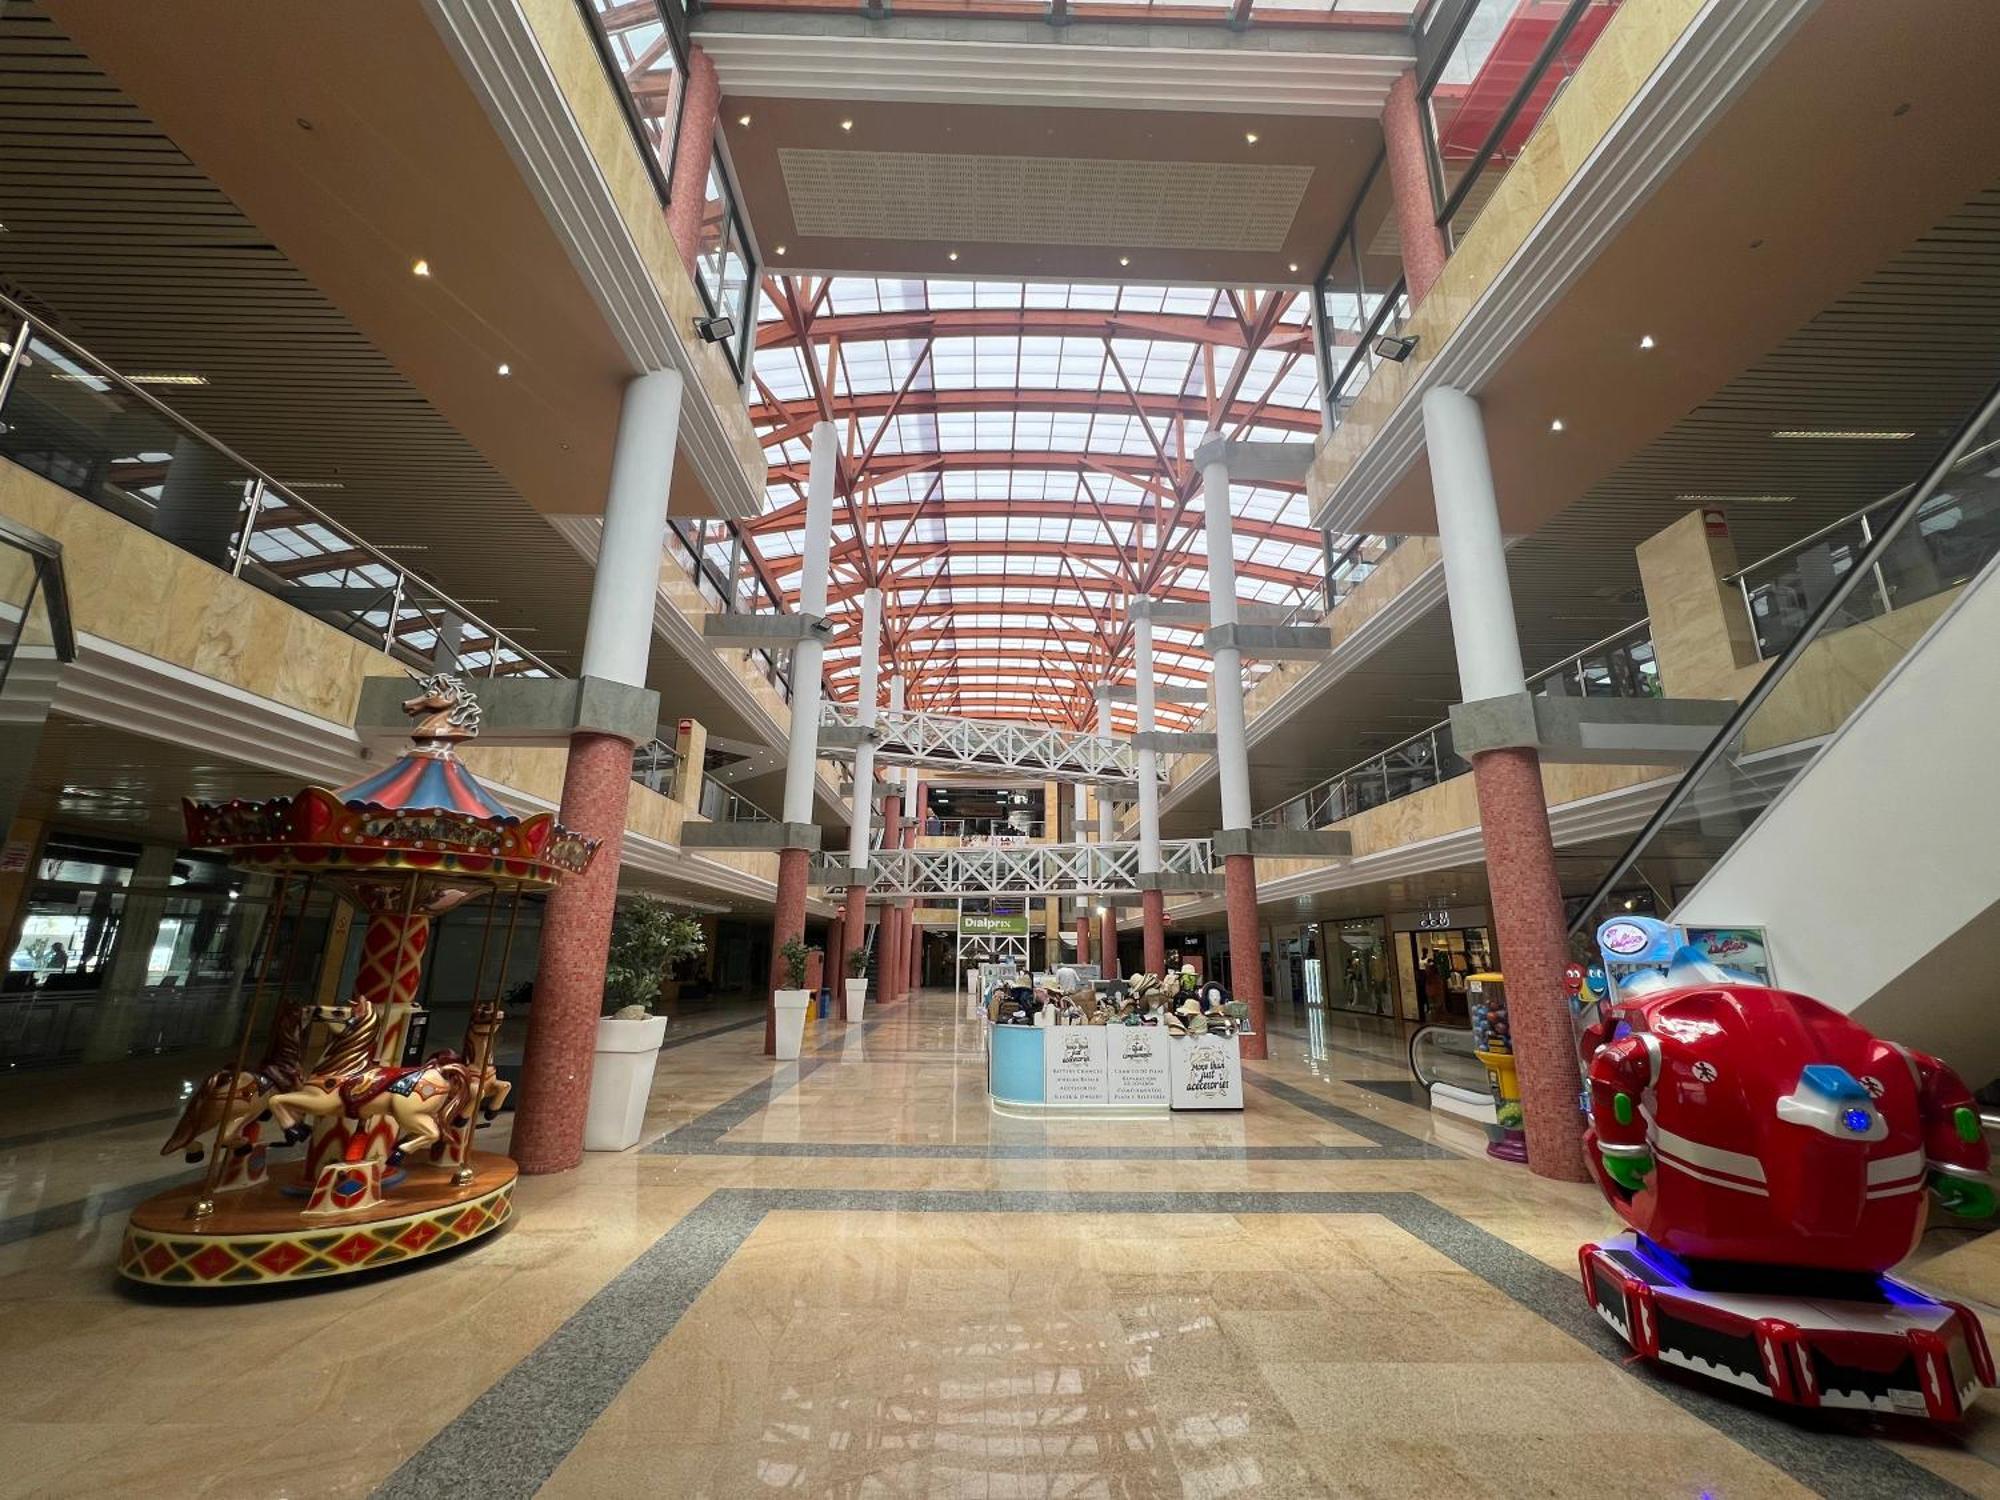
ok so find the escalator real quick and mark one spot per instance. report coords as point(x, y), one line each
point(1450, 1078)
point(1846, 808)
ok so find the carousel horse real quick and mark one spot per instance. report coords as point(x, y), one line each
point(347, 1082)
point(235, 1100)
point(444, 708)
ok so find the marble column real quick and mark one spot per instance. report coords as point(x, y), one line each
point(1417, 229)
point(694, 149)
point(1152, 902)
point(576, 926)
point(867, 709)
point(1513, 813)
point(802, 748)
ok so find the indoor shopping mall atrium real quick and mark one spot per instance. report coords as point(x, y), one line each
point(999, 749)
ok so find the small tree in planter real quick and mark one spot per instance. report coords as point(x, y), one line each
point(796, 955)
point(857, 963)
point(648, 938)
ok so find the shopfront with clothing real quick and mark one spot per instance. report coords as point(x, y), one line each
point(1435, 950)
point(1358, 965)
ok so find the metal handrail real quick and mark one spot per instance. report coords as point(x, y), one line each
point(1955, 451)
point(49, 579)
point(29, 325)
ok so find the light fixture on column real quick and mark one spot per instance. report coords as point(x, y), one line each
point(716, 330)
point(1396, 347)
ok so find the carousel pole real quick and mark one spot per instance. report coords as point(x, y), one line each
point(203, 1206)
point(463, 1176)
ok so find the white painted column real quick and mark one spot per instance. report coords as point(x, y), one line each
point(1148, 759)
point(866, 714)
point(1106, 828)
point(1232, 749)
point(802, 754)
point(1081, 809)
point(619, 636)
point(1483, 632)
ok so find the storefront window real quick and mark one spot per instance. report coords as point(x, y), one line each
point(1358, 965)
point(1440, 961)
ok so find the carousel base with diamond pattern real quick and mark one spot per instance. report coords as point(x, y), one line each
point(257, 1237)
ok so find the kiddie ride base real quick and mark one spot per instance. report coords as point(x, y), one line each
point(258, 1237)
point(1866, 1342)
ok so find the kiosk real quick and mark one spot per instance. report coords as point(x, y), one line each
point(1111, 1066)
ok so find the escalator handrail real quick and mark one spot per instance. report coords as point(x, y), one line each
point(1419, 1034)
point(1863, 567)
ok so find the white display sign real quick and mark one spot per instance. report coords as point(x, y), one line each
point(1073, 1065)
point(1138, 1065)
point(1205, 1072)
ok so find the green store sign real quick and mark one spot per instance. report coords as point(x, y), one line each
point(982, 924)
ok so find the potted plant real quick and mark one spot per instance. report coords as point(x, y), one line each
point(791, 1002)
point(857, 982)
point(647, 938)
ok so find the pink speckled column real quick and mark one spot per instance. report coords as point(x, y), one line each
point(857, 935)
point(688, 185)
point(1153, 910)
point(889, 965)
point(788, 921)
point(916, 957)
point(569, 977)
point(1246, 970)
point(1424, 252)
point(1083, 936)
point(1528, 916)
point(836, 958)
point(1107, 942)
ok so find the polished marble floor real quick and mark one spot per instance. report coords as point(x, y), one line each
point(849, 1277)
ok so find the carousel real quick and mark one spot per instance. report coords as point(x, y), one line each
point(388, 1172)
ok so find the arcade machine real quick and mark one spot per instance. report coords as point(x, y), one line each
point(1772, 1158)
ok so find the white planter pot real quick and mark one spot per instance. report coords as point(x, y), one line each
point(791, 1021)
point(621, 1079)
point(857, 998)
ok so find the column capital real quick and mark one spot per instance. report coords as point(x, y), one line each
point(1256, 462)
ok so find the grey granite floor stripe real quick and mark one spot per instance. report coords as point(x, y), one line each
point(513, 1437)
point(82, 1210)
point(88, 1127)
point(697, 1036)
point(701, 1145)
point(1358, 1124)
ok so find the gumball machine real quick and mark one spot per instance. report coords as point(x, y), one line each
point(1493, 1045)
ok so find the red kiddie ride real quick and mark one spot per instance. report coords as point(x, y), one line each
point(1772, 1159)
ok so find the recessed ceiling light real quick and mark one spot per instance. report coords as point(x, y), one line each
point(781, 250)
point(1293, 267)
point(951, 255)
point(1556, 425)
point(505, 370)
point(742, 119)
point(1124, 260)
point(846, 124)
point(1250, 137)
point(421, 268)
point(1645, 341)
point(1850, 437)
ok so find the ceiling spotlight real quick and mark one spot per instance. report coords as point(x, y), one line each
point(1556, 425)
point(716, 330)
point(780, 250)
point(1396, 346)
point(1249, 137)
point(1124, 260)
point(742, 119)
point(421, 268)
point(846, 124)
point(1645, 341)
point(1292, 266)
point(505, 370)
point(951, 255)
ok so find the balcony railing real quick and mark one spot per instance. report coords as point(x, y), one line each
point(67, 416)
point(1620, 666)
point(983, 830)
point(1950, 538)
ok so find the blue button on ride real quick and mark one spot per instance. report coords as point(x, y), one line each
point(1831, 1082)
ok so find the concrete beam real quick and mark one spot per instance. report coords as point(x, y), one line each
point(1124, 693)
point(521, 710)
point(1272, 642)
point(1178, 612)
point(765, 631)
point(1171, 742)
point(1591, 731)
point(749, 835)
point(1177, 883)
point(1261, 462)
point(1285, 843)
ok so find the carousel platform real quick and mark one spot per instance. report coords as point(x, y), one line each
point(258, 1237)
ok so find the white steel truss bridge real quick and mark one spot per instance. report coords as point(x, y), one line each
point(1020, 870)
point(912, 737)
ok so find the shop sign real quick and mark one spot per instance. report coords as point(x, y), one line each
point(1741, 950)
point(1138, 1058)
point(991, 924)
point(1204, 1072)
point(1074, 1070)
point(1438, 920)
point(14, 857)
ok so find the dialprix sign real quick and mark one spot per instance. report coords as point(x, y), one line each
point(987, 924)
